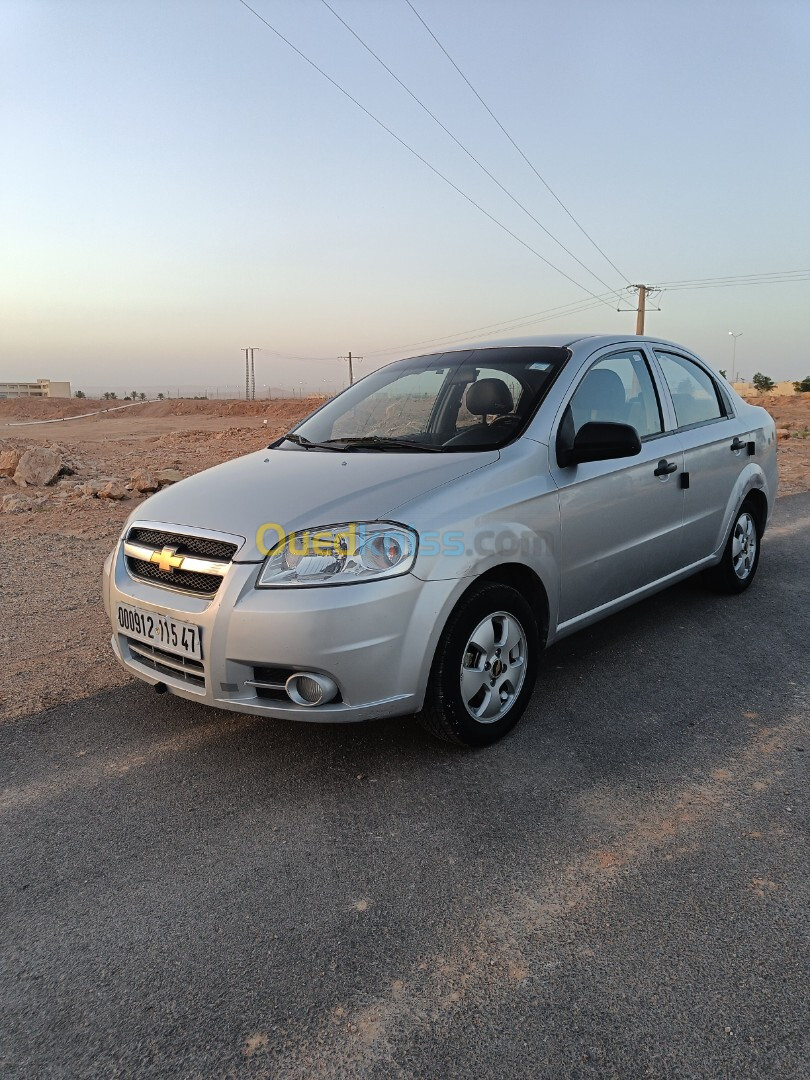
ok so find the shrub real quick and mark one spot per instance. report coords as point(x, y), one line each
point(762, 383)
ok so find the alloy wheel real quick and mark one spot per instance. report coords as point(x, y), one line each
point(493, 667)
point(744, 546)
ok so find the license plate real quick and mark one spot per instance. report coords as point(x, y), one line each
point(160, 630)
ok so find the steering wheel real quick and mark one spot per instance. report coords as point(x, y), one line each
point(507, 418)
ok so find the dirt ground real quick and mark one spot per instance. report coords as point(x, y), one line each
point(54, 637)
point(792, 416)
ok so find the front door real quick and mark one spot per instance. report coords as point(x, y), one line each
point(621, 519)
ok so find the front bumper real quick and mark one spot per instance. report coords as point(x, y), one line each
point(376, 640)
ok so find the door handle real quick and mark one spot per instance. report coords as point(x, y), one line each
point(665, 467)
point(742, 444)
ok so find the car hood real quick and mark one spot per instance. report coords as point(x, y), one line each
point(302, 489)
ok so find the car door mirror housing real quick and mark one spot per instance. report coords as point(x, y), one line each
point(600, 441)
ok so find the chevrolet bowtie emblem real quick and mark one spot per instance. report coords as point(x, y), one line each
point(167, 559)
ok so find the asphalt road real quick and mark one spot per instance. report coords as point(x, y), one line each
point(618, 889)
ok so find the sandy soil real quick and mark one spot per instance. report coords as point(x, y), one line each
point(792, 416)
point(54, 637)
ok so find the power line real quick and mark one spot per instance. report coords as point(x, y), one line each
point(778, 275)
point(292, 356)
point(544, 182)
point(416, 154)
point(729, 285)
point(515, 323)
point(466, 150)
point(578, 306)
point(735, 284)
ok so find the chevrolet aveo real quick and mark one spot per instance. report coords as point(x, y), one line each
point(415, 544)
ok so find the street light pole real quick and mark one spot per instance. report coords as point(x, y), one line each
point(734, 337)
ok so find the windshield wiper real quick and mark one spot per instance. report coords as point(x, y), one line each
point(382, 442)
point(307, 444)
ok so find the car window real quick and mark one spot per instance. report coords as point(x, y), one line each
point(618, 390)
point(458, 401)
point(400, 408)
point(694, 393)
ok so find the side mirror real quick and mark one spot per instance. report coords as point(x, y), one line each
point(598, 441)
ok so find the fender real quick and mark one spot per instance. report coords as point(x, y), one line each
point(752, 478)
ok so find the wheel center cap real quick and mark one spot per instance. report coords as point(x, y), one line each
point(498, 668)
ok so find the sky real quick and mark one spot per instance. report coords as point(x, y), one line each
point(177, 183)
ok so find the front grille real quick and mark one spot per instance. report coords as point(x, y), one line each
point(186, 580)
point(201, 546)
point(184, 668)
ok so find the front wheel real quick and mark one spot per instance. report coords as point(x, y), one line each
point(484, 669)
point(740, 560)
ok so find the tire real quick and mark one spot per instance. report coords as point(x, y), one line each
point(738, 566)
point(481, 706)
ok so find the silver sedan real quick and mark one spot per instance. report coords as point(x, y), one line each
point(415, 544)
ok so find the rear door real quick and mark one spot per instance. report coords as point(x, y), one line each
point(715, 446)
point(621, 519)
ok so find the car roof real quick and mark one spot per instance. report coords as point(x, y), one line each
point(564, 341)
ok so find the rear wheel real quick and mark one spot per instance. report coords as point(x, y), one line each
point(736, 570)
point(484, 669)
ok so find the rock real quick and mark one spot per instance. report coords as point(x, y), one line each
point(144, 481)
point(16, 504)
point(69, 465)
point(9, 460)
point(782, 433)
point(168, 476)
point(112, 491)
point(90, 488)
point(40, 467)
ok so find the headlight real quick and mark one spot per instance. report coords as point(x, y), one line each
point(340, 555)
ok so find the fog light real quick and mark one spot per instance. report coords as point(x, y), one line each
point(304, 688)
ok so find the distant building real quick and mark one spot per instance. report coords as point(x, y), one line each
point(37, 388)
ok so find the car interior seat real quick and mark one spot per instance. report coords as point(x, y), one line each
point(487, 397)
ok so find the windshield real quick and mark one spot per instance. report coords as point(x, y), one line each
point(478, 399)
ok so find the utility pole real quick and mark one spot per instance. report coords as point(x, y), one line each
point(642, 307)
point(250, 372)
point(734, 337)
point(350, 358)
